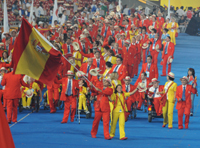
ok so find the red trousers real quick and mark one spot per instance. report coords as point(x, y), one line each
point(144, 55)
point(141, 99)
point(129, 103)
point(186, 111)
point(12, 105)
point(71, 101)
point(4, 100)
point(97, 118)
point(157, 106)
point(137, 62)
point(53, 94)
point(165, 65)
point(154, 55)
point(130, 70)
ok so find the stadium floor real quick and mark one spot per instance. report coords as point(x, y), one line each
point(44, 130)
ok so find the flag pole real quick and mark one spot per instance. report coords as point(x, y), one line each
point(31, 14)
point(78, 71)
point(5, 20)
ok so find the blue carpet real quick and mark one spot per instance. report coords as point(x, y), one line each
point(43, 130)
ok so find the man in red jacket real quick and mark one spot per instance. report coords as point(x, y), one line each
point(156, 43)
point(183, 95)
point(12, 93)
point(67, 47)
point(102, 108)
point(127, 87)
point(128, 56)
point(120, 69)
point(168, 52)
point(86, 67)
point(150, 69)
point(68, 95)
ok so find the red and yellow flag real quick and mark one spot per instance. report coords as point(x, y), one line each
point(34, 55)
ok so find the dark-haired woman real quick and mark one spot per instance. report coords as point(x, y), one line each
point(170, 94)
point(119, 110)
point(192, 80)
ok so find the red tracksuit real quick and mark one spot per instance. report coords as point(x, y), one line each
point(12, 93)
point(102, 109)
point(68, 100)
point(184, 106)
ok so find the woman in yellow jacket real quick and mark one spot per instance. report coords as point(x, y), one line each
point(170, 91)
point(172, 27)
point(106, 74)
point(114, 78)
point(111, 57)
point(119, 111)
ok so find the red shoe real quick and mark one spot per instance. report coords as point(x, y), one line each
point(169, 127)
point(180, 127)
point(53, 111)
point(64, 122)
point(72, 120)
point(186, 126)
point(108, 138)
point(163, 75)
point(15, 121)
point(94, 136)
point(125, 138)
point(163, 125)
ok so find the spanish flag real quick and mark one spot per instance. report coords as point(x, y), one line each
point(34, 55)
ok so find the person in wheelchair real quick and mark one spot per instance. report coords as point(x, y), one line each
point(154, 97)
point(83, 91)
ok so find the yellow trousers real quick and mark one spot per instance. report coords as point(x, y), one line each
point(82, 102)
point(173, 38)
point(111, 111)
point(25, 102)
point(168, 113)
point(121, 117)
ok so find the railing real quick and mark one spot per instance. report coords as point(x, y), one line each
point(11, 24)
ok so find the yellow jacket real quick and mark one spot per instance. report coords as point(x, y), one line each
point(171, 91)
point(131, 36)
point(83, 90)
point(119, 100)
point(172, 30)
point(36, 88)
point(77, 55)
point(113, 59)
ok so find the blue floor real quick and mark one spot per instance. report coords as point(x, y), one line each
point(44, 130)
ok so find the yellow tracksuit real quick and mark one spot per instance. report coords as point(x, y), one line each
point(172, 32)
point(82, 98)
point(114, 84)
point(118, 113)
point(169, 106)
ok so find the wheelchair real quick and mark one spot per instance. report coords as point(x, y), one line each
point(151, 110)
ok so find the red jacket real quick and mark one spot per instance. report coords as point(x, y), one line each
point(64, 47)
point(161, 21)
point(103, 31)
point(132, 88)
point(170, 50)
point(144, 38)
point(122, 71)
point(188, 91)
point(135, 21)
point(128, 57)
point(120, 43)
point(83, 68)
point(77, 33)
point(158, 42)
point(153, 71)
point(118, 52)
point(86, 47)
point(64, 82)
point(102, 102)
point(13, 83)
point(145, 23)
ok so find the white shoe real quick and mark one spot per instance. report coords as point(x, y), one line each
point(87, 112)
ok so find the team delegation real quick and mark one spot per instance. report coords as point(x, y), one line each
point(103, 55)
